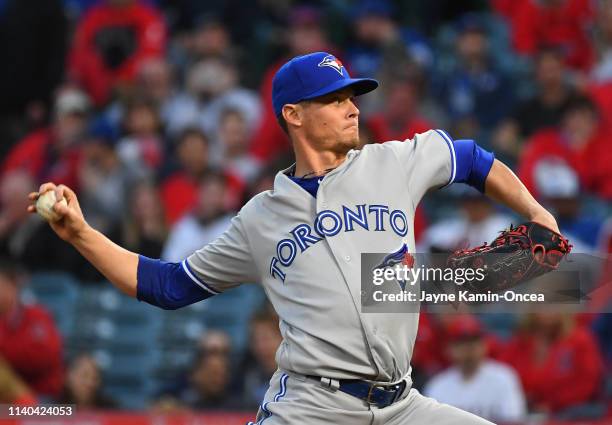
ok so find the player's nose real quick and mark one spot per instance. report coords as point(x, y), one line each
point(353, 109)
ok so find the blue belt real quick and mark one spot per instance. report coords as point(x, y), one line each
point(375, 394)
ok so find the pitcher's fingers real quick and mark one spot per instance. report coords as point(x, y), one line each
point(33, 196)
point(61, 208)
point(31, 209)
point(46, 187)
point(66, 192)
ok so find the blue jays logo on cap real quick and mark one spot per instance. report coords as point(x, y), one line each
point(332, 62)
point(309, 76)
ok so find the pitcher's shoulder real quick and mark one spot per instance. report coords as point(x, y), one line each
point(256, 203)
point(417, 138)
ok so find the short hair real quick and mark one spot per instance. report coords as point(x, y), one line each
point(548, 50)
point(581, 103)
point(213, 175)
point(191, 131)
point(231, 110)
point(10, 269)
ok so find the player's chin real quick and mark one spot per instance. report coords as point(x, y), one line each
point(347, 143)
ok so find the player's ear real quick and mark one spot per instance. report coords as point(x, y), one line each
point(292, 115)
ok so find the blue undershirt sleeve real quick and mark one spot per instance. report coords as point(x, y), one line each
point(473, 163)
point(167, 285)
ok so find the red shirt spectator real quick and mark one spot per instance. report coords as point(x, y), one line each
point(37, 154)
point(557, 372)
point(582, 143)
point(31, 344)
point(305, 35)
point(53, 154)
point(112, 41)
point(269, 141)
point(383, 131)
point(400, 120)
point(179, 193)
point(508, 8)
point(429, 354)
point(561, 23)
point(29, 341)
point(602, 96)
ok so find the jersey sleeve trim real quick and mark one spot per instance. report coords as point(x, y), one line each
point(449, 143)
point(197, 280)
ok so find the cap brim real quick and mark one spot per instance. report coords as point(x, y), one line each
point(360, 85)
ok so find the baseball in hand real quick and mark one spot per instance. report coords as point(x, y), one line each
point(45, 203)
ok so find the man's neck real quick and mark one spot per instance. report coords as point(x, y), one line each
point(316, 163)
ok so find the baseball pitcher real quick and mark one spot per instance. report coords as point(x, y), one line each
point(302, 241)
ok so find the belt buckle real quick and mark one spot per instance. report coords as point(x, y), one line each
point(368, 398)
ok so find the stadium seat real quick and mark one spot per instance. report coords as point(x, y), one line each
point(127, 374)
point(58, 292)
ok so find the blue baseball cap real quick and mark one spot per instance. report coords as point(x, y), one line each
point(313, 75)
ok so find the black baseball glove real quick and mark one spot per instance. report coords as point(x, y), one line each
point(517, 255)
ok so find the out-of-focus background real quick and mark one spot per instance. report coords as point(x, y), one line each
point(158, 113)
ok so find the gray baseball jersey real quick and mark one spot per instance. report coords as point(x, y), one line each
point(306, 254)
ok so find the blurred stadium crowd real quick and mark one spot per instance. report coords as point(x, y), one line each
point(158, 113)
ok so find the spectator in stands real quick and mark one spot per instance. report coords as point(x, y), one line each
point(582, 142)
point(209, 384)
point(156, 82)
point(559, 188)
point(264, 181)
point(544, 109)
point(84, 385)
point(207, 36)
point(401, 118)
point(477, 92)
point(602, 328)
point(179, 187)
point(142, 148)
point(430, 355)
point(210, 38)
point(560, 23)
point(52, 154)
point(111, 41)
point(474, 382)
point(602, 70)
point(232, 147)
point(215, 342)
point(212, 86)
point(304, 35)
point(103, 181)
point(144, 226)
point(558, 361)
point(30, 344)
point(599, 86)
point(260, 362)
point(476, 223)
point(380, 42)
point(209, 219)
